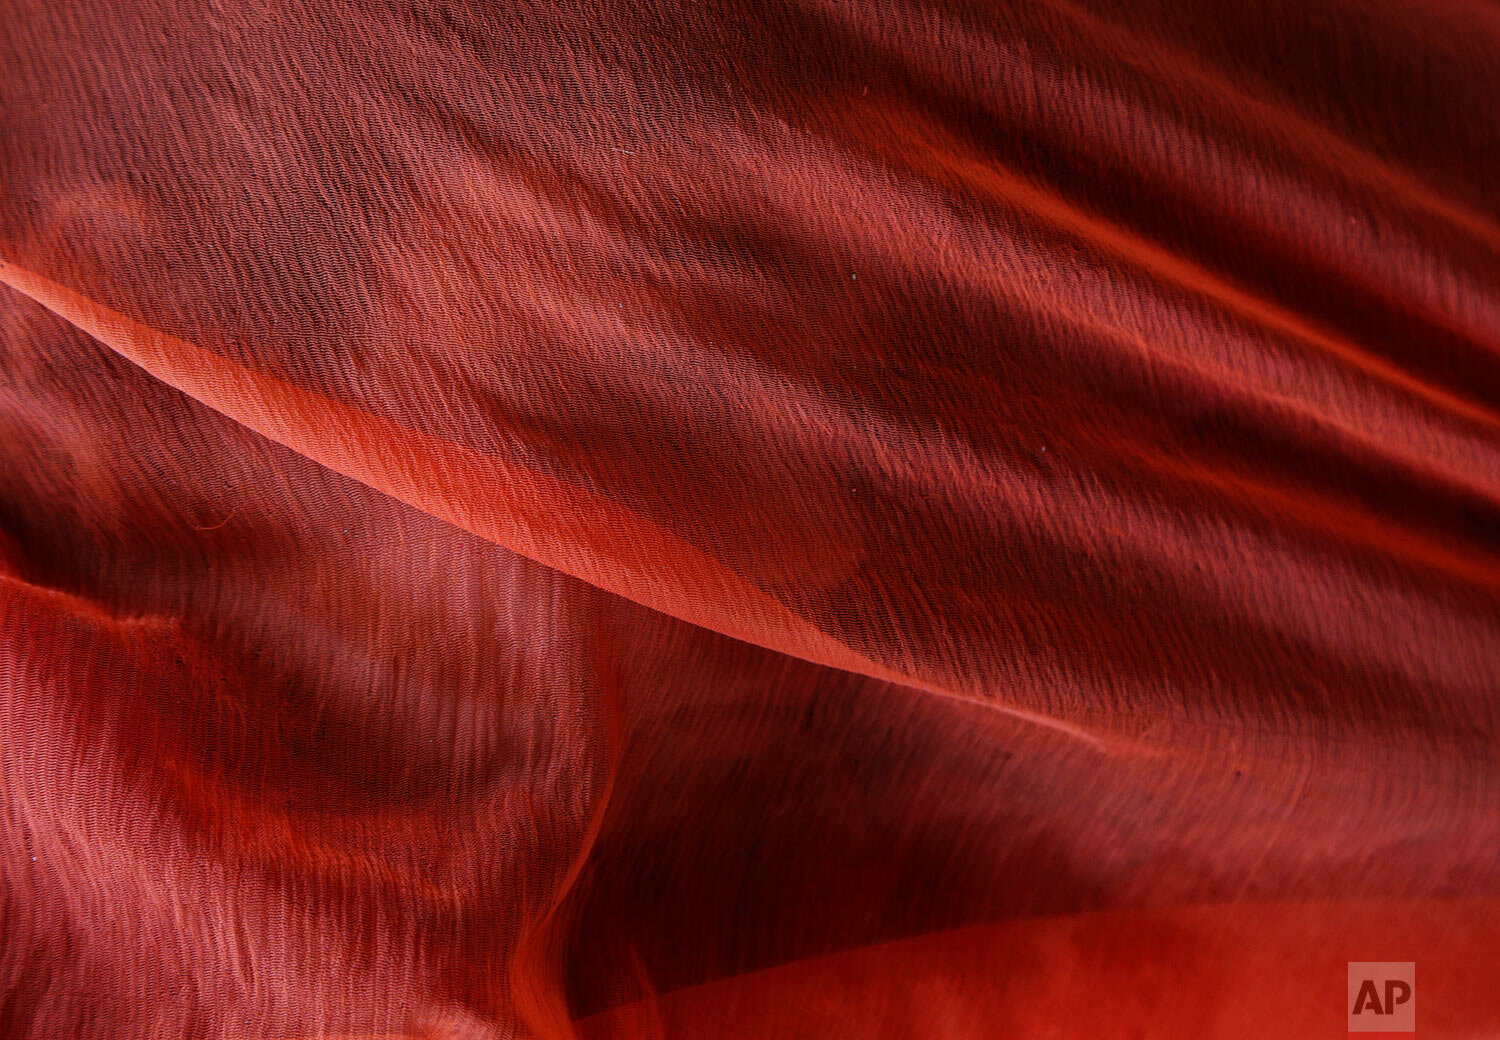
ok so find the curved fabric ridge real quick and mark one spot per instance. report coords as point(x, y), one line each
point(545, 519)
point(942, 155)
point(1271, 970)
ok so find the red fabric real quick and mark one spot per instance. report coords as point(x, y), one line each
point(881, 519)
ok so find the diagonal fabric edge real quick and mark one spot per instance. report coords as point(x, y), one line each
point(545, 519)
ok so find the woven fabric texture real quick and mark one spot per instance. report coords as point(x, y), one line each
point(872, 519)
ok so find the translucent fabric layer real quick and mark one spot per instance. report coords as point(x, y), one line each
point(898, 518)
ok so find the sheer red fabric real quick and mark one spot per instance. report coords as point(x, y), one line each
point(898, 518)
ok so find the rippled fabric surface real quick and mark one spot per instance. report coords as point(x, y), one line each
point(896, 518)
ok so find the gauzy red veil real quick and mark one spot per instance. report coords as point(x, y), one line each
point(779, 518)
